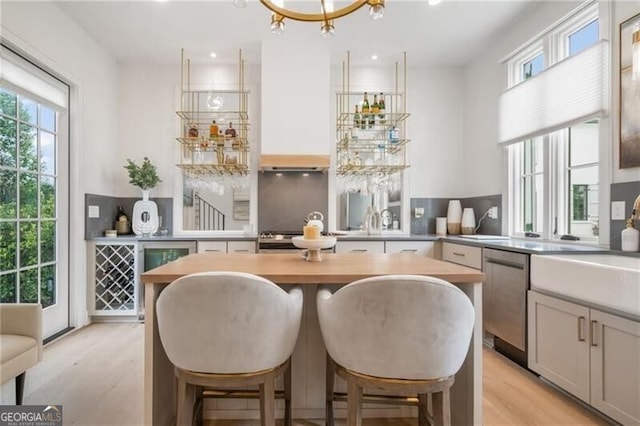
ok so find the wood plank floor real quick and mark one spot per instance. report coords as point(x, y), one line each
point(96, 373)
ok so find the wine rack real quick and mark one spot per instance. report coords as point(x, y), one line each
point(115, 279)
point(371, 143)
point(205, 154)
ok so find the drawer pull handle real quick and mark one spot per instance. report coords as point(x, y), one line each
point(359, 250)
point(212, 251)
point(241, 251)
point(592, 332)
point(458, 254)
point(580, 322)
point(409, 251)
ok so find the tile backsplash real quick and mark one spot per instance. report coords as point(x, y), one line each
point(108, 207)
point(627, 192)
point(437, 207)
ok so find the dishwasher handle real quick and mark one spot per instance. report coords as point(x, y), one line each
point(504, 262)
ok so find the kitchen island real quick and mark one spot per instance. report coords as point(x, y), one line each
point(308, 360)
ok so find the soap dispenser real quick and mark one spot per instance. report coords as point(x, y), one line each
point(630, 237)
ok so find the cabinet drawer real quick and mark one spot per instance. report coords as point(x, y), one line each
point(360, 246)
point(422, 248)
point(462, 254)
point(241, 247)
point(212, 246)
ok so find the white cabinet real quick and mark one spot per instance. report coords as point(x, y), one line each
point(422, 248)
point(462, 254)
point(360, 247)
point(212, 246)
point(226, 246)
point(241, 247)
point(589, 353)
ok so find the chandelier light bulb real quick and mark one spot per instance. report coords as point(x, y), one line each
point(240, 3)
point(327, 29)
point(277, 24)
point(376, 11)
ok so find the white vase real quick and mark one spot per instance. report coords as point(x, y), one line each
point(454, 217)
point(145, 220)
point(468, 223)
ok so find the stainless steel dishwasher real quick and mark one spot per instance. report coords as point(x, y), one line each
point(505, 301)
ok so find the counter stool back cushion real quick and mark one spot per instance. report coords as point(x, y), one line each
point(396, 329)
point(226, 325)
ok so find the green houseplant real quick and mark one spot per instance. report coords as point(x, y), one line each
point(145, 176)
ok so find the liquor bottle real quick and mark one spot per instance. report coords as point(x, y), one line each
point(213, 130)
point(381, 108)
point(230, 132)
point(393, 134)
point(365, 104)
point(121, 216)
point(193, 130)
point(356, 118)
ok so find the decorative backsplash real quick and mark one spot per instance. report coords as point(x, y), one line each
point(108, 207)
point(285, 199)
point(437, 207)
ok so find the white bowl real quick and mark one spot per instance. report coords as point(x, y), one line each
point(317, 244)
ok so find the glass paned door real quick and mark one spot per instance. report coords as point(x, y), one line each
point(34, 206)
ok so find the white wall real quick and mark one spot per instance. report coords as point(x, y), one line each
point(485, 78)
point(43, 32)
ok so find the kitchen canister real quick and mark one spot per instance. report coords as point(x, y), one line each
point(441, 226)
point(468, 223)
point(454, 217)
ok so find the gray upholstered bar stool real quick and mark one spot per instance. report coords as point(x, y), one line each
point(229, 330)
point(400, 333)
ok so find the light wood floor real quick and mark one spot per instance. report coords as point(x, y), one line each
point(96, 373)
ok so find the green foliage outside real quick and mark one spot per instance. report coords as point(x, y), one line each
point(19, 164)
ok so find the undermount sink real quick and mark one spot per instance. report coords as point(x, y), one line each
point(607, 280)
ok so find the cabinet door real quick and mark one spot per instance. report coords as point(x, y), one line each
point(360, 247)
point(615, 367)
point(212, 246)
point(422, 248)
point(558, 343)
point(241, 247)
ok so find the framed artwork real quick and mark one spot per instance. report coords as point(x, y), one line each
point(629, 99)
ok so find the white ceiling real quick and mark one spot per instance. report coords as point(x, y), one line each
point(451, 33)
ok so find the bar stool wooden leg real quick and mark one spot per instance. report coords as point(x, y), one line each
point(423, 409)
point(183, 413)
point(354, 402)
point(267, 403)
point(330, 377)
point(442, 408)
point(288, 421)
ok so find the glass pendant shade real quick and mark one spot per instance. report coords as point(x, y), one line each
point(376, 11)
point(277, 25)
point(327, 30)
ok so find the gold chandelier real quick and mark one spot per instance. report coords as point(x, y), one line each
point(326, 16)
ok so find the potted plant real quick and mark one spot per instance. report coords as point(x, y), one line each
point(145, 176)
point(145, 212)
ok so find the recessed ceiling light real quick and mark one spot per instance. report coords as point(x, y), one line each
point(278, 174)
point(434, 2)
point(374, 57)
point(213, 55)
point(305, 174)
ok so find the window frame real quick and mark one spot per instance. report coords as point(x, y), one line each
point(554, 46)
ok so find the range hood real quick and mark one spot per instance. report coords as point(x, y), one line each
point(293, 163)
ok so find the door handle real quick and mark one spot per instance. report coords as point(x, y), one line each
point(212, 251)
point(458, 254)
point(359, 250)
point(241, 251)
point(592, 333)
point(580, 322)
point(409, 251)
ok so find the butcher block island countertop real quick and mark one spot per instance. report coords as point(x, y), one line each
point(308, 360)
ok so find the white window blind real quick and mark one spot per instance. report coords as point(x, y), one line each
point(27, 80)
point(570, 92)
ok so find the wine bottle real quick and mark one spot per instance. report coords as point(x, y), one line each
point(374, 111)
point(381, 108)
point(365, 104)
point(213, 130)
point(356, 118)
point(121, 216)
